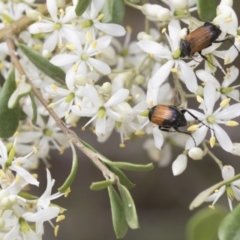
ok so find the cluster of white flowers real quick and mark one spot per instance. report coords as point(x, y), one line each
point(113, 85)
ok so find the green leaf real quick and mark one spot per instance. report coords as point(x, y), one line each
point(132, 167)
point(122, 177)
point(72, 174)
point(101, 185)
point(34, 109)
point(206, 10)
point(81, 6)
point(129, 207)
point(230, 226)
point(9, 118)
point(114, 11)
point(119, 222)
point(204, 224)
point(22, 89)
point(43, 64)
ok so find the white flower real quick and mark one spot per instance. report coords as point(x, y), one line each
point(224, 89)
point(232, 189)
point(82, 59)
point(59, 26)
point(98, 109)
point(174, 62)
point(212, 119)
point(44, 210)
point(90, 21)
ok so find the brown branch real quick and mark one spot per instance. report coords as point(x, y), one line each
point(69, 133)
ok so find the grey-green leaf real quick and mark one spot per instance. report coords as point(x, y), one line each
point(230, 227)
point(206, 10)
point(68, 182)
point(129, 207)
point(101, 185)
point(122, 177)
point(119, 222)
point(9, 118)
point(114, 11)
point(132, 167)
point(43, 64)
point(81, 6)
point(204, 224)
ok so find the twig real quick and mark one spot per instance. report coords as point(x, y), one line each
point(69, 133)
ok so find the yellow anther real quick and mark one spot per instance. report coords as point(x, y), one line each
point(51, 105)
point(100, 17)
point(94, 44)
point(228, 20)
point(60, 218)
point(150, 103)
point(232, 123)
point(199, 99)
point(70, 47)
point(164, 30)
point(193, 128)
point(35, 149)
point(225, 102)
point(74, 67)
point(56, 229)
point(174, 70)
point(122, 145)
point(211, 207)
point(212, 141)
point(129, 28)
point(37, 47)
point(88, 36)
point(67, 192)
point(227, 59)
point(54, 87)
point(139, 133)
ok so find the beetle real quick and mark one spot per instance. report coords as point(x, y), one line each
point(169, 116)
point(200, 38)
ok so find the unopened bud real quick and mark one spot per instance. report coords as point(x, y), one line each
point(107, 87)
point(33, 15)
point(46, 54)
point(195, 153)
point(179, 4)
point(227, 2)
point(156, 13)
point(144, 36)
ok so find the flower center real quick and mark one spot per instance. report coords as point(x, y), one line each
point(57, 26)
point(177, 54)
point(70, 97)
point(226, 90)
point(211, 119)
point(84, 57)
point(87, 23)
point(124, 52)
point(101, 113)
point(47, 132)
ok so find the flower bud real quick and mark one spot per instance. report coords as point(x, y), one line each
point(33, 15)
point(179, 4)
point(195, 153)
point(46, 54)
point(155, 12)
point(228, 172)
point(179, 165)
point(107, 87)
point(144, 36)
point(183, 33)
point(61, 3)
point(80, 80)
point(139, 79)
point(227, 2)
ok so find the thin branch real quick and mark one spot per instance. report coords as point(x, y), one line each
point(71, 135)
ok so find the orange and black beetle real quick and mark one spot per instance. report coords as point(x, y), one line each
point(167, 116)
point(199, 39)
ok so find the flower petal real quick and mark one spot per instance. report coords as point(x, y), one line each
point(117, 98)
point(111, 29)
point(158, 137)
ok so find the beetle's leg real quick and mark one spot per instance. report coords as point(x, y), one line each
point(188, 133)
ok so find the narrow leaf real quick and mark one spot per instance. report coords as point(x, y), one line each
point(132, 167)
point(73, 172)
point(34, 109)
point(206, 10)
point(230, 226)
point(119, 222)
point(122, 177)
point(81, 6)
point(9, 118)
point(114, 11)
point(198, 225)
point(101, 185)
point(129, 207)
point(43, 64)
